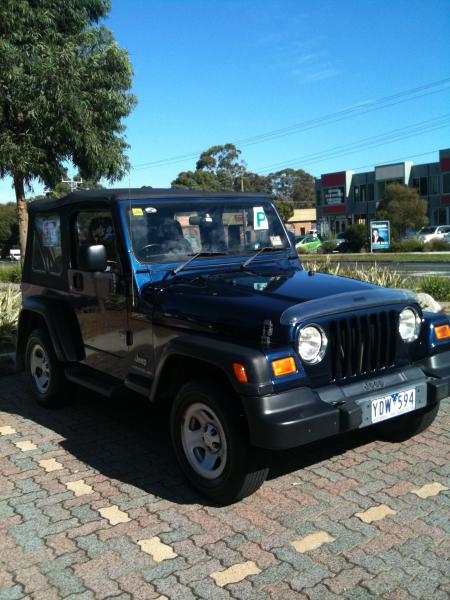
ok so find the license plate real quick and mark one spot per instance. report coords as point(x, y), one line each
point(394, 405)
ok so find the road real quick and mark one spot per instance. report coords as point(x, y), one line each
point(93, 506)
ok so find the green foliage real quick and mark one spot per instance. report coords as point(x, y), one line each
point(437, 245)
point(437, 287)
point(376, 274)
point(285, 208)
point(357, 236)
point(327, 246)
point(9, 229)
point(64, 91)
point(404, 209)
point(293, 185)
point(220, 169)
point(11, 274)
point(409, 245)
point(9, 315)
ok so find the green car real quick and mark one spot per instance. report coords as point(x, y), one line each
point(311, 243)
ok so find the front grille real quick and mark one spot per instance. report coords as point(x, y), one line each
point(363, 344)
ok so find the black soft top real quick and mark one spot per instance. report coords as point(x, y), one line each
point(111, 196)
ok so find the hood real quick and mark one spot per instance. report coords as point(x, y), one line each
point(237, 304)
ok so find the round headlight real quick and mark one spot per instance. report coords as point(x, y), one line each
point(409, 325)
point(312, 344)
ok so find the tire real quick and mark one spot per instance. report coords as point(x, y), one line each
point(44, 372)
point(407, 426)
point(211, 444)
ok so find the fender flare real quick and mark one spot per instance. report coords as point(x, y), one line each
point(61, 323)
point(221, 355)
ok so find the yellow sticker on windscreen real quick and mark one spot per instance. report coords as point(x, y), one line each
point(137, 212)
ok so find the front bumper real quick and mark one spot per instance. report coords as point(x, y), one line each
point(303, 415)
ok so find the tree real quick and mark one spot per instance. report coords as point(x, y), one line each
point(64, 91)
point(197, 180)
point(404, 209)
point(62, 188)
point(294, 185)
point(222, 161)
point(285, 208)
point(357, 236)
point(9, 229)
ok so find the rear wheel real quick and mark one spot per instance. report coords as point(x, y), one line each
point(407, 426)
point(211, 444)
point(45, 373)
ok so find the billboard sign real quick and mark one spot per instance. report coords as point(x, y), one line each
point(334, 195)
point(380, 235)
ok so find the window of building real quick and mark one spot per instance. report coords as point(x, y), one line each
point(421, 185)
point(433, 183)
point(370, 192)
point(96, 227)
point(440, 216)
point(47, 253)
point(318, 197)
point(356, 197)
point(446, 183)
point(381, 185)
point(362, 192)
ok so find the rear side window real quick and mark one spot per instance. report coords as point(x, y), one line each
point(47, 251)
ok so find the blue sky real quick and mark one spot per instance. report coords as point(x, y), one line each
point(210, 72)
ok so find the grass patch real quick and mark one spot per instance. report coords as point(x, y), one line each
point(10, 301)
point(438, 287)
point(11, 273)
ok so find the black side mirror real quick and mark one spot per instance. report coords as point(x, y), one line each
point(92, 258)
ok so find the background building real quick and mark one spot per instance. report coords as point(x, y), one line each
point(302, 221)
point(347, 197)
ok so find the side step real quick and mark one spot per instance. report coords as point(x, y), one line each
point(139, 384)
point(101, 383)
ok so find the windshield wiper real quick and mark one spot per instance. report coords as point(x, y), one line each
point(201, 253)
point(260, 251)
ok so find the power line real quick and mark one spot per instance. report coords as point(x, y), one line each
point(364, 143)
point(394, 160)
point(384, 102)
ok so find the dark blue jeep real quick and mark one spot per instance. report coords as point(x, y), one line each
point(199, 301)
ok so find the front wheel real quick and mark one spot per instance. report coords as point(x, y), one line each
point(407, 426)
point(211, 444)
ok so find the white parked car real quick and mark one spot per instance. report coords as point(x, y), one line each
point(434, 232)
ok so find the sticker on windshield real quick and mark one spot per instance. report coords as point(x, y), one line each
point(150, 210)
point(259, 219)
point(137, 212)
point(275, 240)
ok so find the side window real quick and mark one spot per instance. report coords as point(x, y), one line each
point(47, 251)
point(97, 227)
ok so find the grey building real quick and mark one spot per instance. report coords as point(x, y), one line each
point(346, 197)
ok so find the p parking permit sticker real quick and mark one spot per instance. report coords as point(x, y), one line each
point(259, 219)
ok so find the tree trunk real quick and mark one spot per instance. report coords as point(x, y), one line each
point(22, 213)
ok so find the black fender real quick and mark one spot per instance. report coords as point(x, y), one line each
point(222, 355)
point(61, 323)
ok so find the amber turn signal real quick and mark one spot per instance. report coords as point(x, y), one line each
point(442, 332)
point(284, 366)
point(240, 372)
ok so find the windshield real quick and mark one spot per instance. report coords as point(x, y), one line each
point(427, 230)
point(172, 231)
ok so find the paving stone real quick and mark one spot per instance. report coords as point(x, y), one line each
point(375, 513)
point(50, 464)
point(114, 515)
point(7, 430)
point(429, 489)
point(235, 573)
point(79, 487)
point(25, 445)
point(157, 550)
point(312, 541)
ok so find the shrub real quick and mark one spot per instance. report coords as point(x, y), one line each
point(302, 250)
point(437, 287)
point(375, 274)
point(410, 245)
point(357, 237)
point(327, 266)
point(327, 247)
point(10, 274)
point(436, 245)
point(9, 315)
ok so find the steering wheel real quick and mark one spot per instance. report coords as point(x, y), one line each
point(147, 247)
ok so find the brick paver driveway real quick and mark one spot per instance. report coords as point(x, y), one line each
point(92, 505)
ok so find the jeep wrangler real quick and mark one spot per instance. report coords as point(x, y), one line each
point(199, 301)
